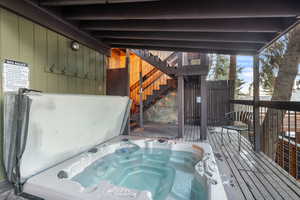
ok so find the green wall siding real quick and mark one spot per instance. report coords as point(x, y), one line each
point(49, 55)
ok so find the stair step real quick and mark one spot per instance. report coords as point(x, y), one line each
point(150, 99)
point(134, 125)
point(163, 87)
point(156, 92)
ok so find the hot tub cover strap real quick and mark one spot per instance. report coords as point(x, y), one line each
point(16, 112)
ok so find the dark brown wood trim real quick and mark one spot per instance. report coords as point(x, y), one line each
point(194, 9)
point(43, 17)
point(186, 49)
point(141, 106)
point(203, 85)
point(153, 81)
point(256, 38)
point(257, 128)
point(243, 102)
point(144, 78)
point(86, 2)
point(282, 33)
point(188, 44)
point(282, 105)
point(180, 98)
point(189, 70)
point(260, 25)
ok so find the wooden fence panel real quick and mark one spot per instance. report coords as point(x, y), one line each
point(219, 95)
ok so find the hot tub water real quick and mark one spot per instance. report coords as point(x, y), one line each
point(166, 174)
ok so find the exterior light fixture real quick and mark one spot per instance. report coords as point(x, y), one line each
point(75, 46)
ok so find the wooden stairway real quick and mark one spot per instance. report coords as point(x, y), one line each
point(156, 61)
point(156, 83)
point(158, 94)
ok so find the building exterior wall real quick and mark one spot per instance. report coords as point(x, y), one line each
point(79, 72)
point(117, 59)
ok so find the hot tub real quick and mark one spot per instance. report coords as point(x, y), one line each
point(145, 169)
point(59, 162)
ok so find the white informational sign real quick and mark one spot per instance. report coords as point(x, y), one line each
point(15, 75)
point(198, 99)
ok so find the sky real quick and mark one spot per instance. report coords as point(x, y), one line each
point(246, 63)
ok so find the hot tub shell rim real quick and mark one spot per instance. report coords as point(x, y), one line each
point(48, 186)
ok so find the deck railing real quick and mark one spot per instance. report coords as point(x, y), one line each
point(150, 84)
point(279, 126)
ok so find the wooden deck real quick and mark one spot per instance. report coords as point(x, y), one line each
point(250, 175)
point(246, 175)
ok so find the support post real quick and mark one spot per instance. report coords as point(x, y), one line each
point(180, 96)
point(141, 108)
point(257, 131)
point(203, 133)
point(127, 66)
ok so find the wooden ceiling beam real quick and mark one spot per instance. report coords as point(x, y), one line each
point(86, 2)
point(186, 49)
point(194, 9)
point(186, 44)
point(266, 25)
point(260, 38)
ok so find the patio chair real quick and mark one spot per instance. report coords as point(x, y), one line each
point(244, 118)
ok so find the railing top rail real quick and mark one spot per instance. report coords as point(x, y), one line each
point(281, 105)
point(243, 102)
point(153, 81)
point(145, 77)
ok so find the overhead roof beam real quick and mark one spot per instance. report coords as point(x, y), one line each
point(86, 2)
point(269, 25)
point(185, 49)
point(194, 9)
point(185, 44)
point(260, 38)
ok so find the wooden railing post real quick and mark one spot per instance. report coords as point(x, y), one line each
point(180, 96)
point(203, 133)
point(127, 66)
point(141, 108)
point(204, 103)
point(257, 130)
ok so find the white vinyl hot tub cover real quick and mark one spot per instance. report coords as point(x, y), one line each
point(58, 128)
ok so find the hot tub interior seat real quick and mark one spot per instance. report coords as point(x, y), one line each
point(163, 172)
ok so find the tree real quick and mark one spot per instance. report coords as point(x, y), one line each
point(239, 83)
point(224, 67)
point(286, 58)
point(271, 59)
point(235, 70)
point(221, 67)
point(232, 68)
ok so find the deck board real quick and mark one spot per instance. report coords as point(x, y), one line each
point(251, 173)
point(246, 175)
point(284, 179)
point(263, 178)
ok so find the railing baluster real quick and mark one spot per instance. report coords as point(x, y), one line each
point(278, 120)
point(289, 140)
point(271, 125)
point(295, 144)
point(282, 138)
point(297, 150)
point(277, 134)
